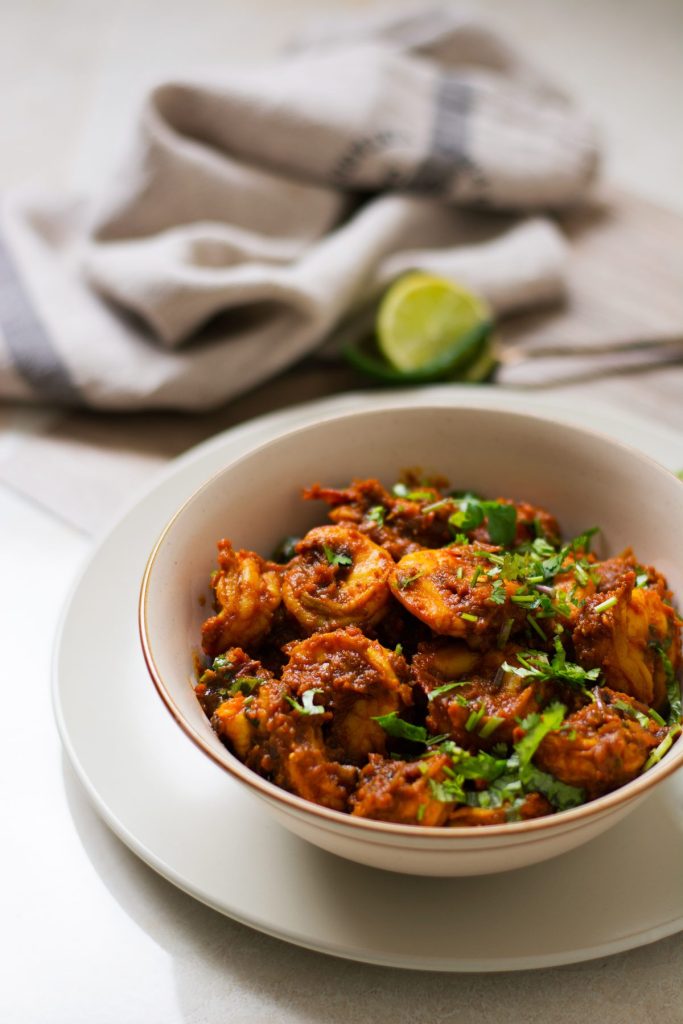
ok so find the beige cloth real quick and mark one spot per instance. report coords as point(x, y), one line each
point(257, 207)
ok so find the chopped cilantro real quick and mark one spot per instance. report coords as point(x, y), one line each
point(535, 626)
point(447, 792)
point(221, 663)
point(490, 726)
point(537, 665)
point(469, 516)
point(502, 521)
point(307, 705)
point(628, 709)
point(659, 751)
point(501, 518)
point(561, 795)
point(475, 718)
point(437, 504)
point(446, 688)
point(536, 727)
point(396, 727)
point(673, 689)
point(376, 514)
point(498, 593)
point(335, 558)
point(401, 491)
point(405, 581)
point(504, 634)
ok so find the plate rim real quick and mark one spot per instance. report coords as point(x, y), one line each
point(288, 419)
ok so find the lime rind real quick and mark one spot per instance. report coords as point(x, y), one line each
point(471, 350)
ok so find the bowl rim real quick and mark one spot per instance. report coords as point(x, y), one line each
point(563, 820)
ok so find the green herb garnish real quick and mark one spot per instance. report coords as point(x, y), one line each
point(396, 727)
point(446, 688)
point(335, 558)
point(307, 705)
point(405, 581)
point(659, 751)
point(537, 665)
point(501, 518)
point(376, 514)
point(536, 727)
point(475, 718)
point(490, 726)
point(401, 491)
point(673, 690)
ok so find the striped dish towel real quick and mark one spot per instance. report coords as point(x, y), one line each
point(256, 208)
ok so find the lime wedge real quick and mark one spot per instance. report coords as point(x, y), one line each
point(423, 317)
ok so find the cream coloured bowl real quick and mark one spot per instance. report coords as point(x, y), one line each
point(585, 478)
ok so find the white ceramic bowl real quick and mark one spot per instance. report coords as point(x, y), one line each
point(584, 478)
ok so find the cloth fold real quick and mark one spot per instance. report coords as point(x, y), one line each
point(255, 208)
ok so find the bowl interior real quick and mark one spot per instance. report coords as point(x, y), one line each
point(584, 479)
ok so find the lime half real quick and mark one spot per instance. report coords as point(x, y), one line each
point(422, 318)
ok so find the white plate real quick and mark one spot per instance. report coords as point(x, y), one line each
point(177, 810)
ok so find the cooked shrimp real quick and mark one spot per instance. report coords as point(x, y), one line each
point(483, 702)
point(276, 740)
point(599, 747)
point(358, 679)
point(247, 593)
point(449, 590)
point(398, 524)
point(400, 791)
point(612, 571)
point(620, 631)
point(338, 577)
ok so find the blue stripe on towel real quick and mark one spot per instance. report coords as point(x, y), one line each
point(32, 351)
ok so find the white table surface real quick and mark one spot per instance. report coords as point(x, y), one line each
point(87, 932)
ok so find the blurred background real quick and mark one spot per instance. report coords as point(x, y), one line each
point(72, 72)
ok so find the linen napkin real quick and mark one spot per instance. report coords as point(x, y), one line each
point(256, 207)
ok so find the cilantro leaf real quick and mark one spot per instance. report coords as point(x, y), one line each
point(438, 691)
point(628, 709)
point(673, 689)
point(402, 491)
point(560, 794)
point(396, 727)
point(469, 516)
point(376, 514)
point(405, 581)
point(307, 705)
point(659, 751)
point(335, 558)
point(536, 727)
point(502, 522)
point(221, 663)
point(537, 665)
